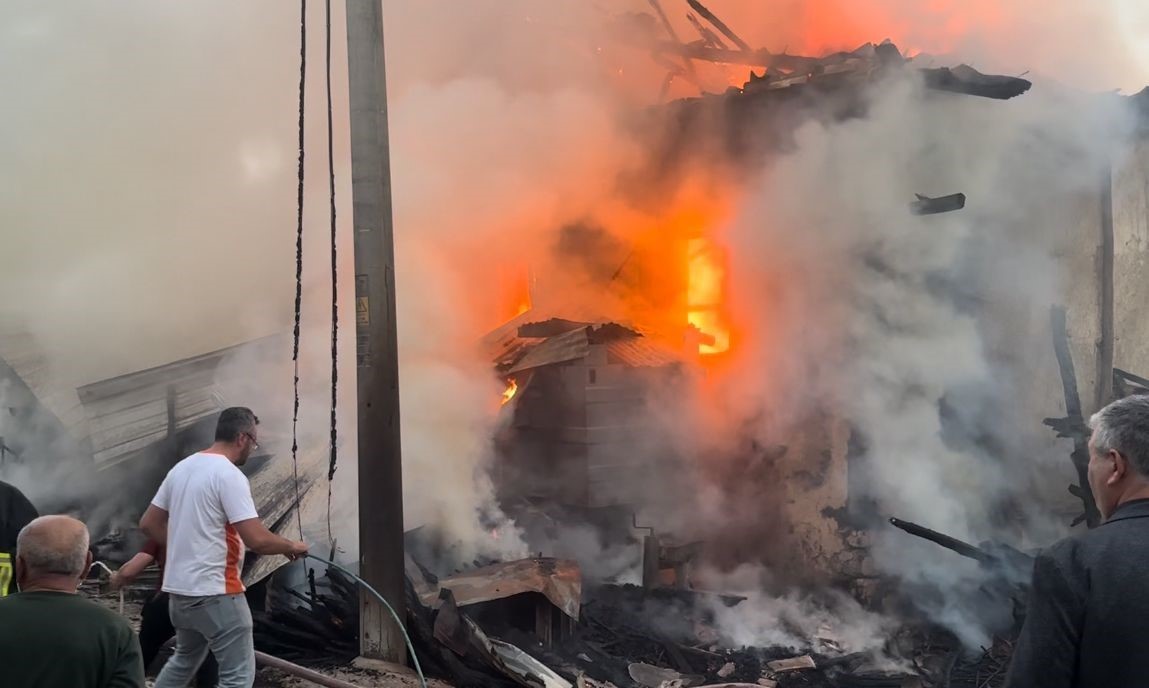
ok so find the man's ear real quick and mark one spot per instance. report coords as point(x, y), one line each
point(87, 565)
point(21, 570)
point(1120, 467)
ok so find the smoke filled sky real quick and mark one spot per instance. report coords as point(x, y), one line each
point(150, 146)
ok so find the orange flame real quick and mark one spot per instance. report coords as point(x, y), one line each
point(706, 276)
point(510, 391)
point(512, 285)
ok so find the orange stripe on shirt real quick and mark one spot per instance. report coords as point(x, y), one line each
point(232, 583)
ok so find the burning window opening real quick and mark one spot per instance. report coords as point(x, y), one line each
point(706, 276)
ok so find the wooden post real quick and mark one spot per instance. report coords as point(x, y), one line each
point(1073, 414)
point(377, 363)
point(1106, 342)
point(650, 561)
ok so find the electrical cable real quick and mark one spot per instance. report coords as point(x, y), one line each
point(334, 277)
point(373, 591)
point(299, 262)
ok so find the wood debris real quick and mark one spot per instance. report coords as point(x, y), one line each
point(793, 664)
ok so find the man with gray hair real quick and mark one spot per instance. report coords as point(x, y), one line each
point(50, 637)
point(1085, 620)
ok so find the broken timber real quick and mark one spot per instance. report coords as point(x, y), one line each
point(1126, 383)
point(720, 25)
point(1073, 425)
point(656, 5)
point(962, 79)
point(933, 206)
point(951, 543)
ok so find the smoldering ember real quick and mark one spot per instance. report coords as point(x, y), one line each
point(728, 354)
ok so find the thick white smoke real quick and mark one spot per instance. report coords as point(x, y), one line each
point(930, 334)
point(148, 191)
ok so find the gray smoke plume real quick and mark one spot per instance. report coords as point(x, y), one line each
point(931, 334)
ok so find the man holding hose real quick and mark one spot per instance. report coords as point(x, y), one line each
point(204, 515)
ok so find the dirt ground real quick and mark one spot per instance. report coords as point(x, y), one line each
point(363, 678)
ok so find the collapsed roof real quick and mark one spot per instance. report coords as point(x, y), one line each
point(520, 345)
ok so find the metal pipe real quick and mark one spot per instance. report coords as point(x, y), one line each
point(300, 672)
point(110, 574)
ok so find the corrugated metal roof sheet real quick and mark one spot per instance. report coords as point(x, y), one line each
point(624, 345)
point(569, 346)
point(641, 352)
point(23, 353)
point(503, 346)
point(129, 413)
point(559, 580)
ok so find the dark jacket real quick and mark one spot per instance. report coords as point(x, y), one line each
point(1086, 621)
point(15, 513)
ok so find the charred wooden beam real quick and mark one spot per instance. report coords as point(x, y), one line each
point(710, 38)
point(674, 70)
point(286, 667)
point(942, 204)
point(963, 79)
point(752, 58)
point(656, 5)
point(1106, 340)
point(1008, 568)
point(951, 543)
point(314, 628)
point(1068, 428)
point(967, 80)
point(720, 25)
point(1122, 376)
point(1080, 455)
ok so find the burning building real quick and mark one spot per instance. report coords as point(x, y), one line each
point(744, 286)
point(840, 270)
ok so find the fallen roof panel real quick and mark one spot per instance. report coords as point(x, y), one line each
point(641, 352)
point(129, 413)
point(570, 346)
point(559, 580)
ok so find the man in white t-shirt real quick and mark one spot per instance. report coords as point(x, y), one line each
point(204, 514)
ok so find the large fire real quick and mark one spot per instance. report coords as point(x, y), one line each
point(706, 276)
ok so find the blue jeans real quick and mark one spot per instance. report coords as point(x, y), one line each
point(220, 623)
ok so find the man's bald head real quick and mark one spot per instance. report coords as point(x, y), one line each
point(52, 547)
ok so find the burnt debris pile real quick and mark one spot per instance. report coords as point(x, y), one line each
point(530, 623)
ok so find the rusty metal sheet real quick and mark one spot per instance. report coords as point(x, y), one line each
point(559, 580)
point(570, 346)
point(503, 346)
point(641, 352)
point(512, 661)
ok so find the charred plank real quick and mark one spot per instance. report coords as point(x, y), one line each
point(941, 204)
point(720, 25)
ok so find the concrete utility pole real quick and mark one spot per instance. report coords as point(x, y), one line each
point(377, 362)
